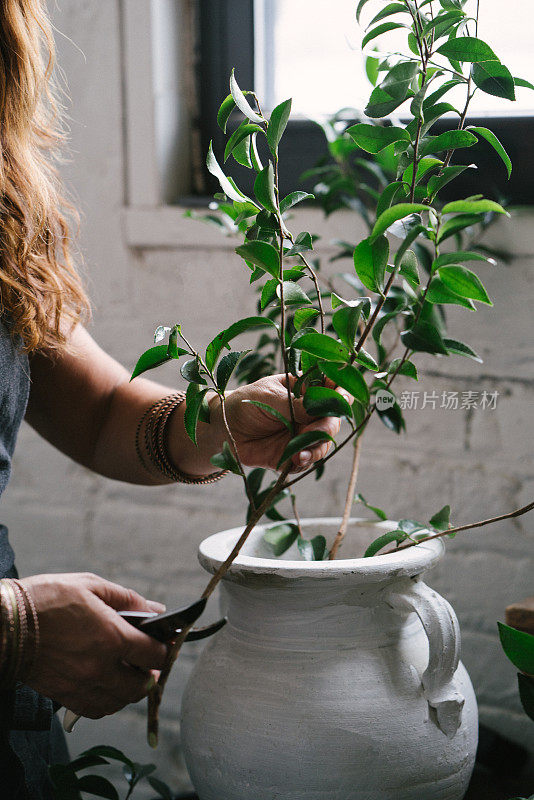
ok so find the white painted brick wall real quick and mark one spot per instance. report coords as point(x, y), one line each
point(63, 518)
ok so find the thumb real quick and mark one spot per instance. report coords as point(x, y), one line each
point(122, 599)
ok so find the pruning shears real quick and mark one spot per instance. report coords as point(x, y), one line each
point(165, 628)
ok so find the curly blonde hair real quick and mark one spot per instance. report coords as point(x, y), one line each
point(41, 293)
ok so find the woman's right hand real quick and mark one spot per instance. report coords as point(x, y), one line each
point(90, 659)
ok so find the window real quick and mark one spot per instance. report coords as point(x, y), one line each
point(311, 51)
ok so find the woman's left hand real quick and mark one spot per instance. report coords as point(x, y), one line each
point(260, 437)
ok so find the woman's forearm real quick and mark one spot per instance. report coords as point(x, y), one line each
point(83, 403)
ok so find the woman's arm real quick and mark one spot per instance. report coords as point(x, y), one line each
point(83, 403)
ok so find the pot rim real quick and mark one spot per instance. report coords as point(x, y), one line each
point(213, 551)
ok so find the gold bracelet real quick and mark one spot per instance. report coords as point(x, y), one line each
point(155, 420)
point(20, 632)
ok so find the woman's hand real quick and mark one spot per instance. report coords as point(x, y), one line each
point(90, 659)
point(259, 436)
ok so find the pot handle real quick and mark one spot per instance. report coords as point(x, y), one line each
point(441, 627)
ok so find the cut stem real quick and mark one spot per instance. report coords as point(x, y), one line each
point(349, 500)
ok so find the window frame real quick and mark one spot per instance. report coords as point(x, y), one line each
point(227, 40)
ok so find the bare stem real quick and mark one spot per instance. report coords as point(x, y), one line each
point(372, 319)
point(510, 515)
point(295, 512)
point(313, 276)
point(349, 500)
point(230, 435)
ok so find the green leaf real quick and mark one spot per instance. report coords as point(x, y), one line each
point(467, 48)
point(277, 124)
point(238, 135)
point(159, 786)
point(293, 294)
point(194, 399)
point(98, 786)
point(302, 244)
point(226, 367)
point(152, 358)
point(458, 257)
point(303, 316)
point(441, 519)
point(270, 410)
point(374, 138)
point(474, 207)
point(494, 78)
point(399, 78)
point(241, 101)
point(226, 460)
point(262, 254)
point(381, 104)
point(359, 498)
point(281, 537)
point(400, 255)
point(393, 214)
point(107, 751)
point(366, 360)
point(293, 198)
point(224, 338)
point(450, 140)
point(371, 258)
point(392, 418)
point(490, 137)
point(312, 549)
point(359, 9)
point(522, 82)
point(371, 69)
point(457, 224)
point(225, 111)
point(85, 762)
point(379, 30)
point(437, 182)
point(526, 694)
point(424, 166)
point(443, 23)
point(383, 540)
point(228, 186)
point(388, 11)
point(388, 196)
point(518, 646)
point(320, 401)
point(190, 371)
point(408, 268)
point(407, 368)
point(441, 294)
point(138, 772)
point(348, 378)
point(424, 337)
point(464, 282)
point(302, 442)
point(345, 321)
point(64, 782)
point(461, 349)
point(264, 188)
point(322, 346)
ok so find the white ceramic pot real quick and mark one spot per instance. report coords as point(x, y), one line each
point(333, 680)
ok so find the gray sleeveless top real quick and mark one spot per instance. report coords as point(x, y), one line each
point(14, 390)
point(29, 736)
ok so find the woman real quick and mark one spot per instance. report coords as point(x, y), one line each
point(81, 401)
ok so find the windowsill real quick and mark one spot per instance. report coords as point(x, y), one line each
point(166, 227)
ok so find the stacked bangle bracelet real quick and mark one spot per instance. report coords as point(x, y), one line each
point(19, 632)
point(155, 421)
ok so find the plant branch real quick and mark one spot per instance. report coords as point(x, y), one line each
point(372, 319)
point(315, 280)
point(156, 694)
point(230, 435)
point(512, 514)
point(349, 500)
